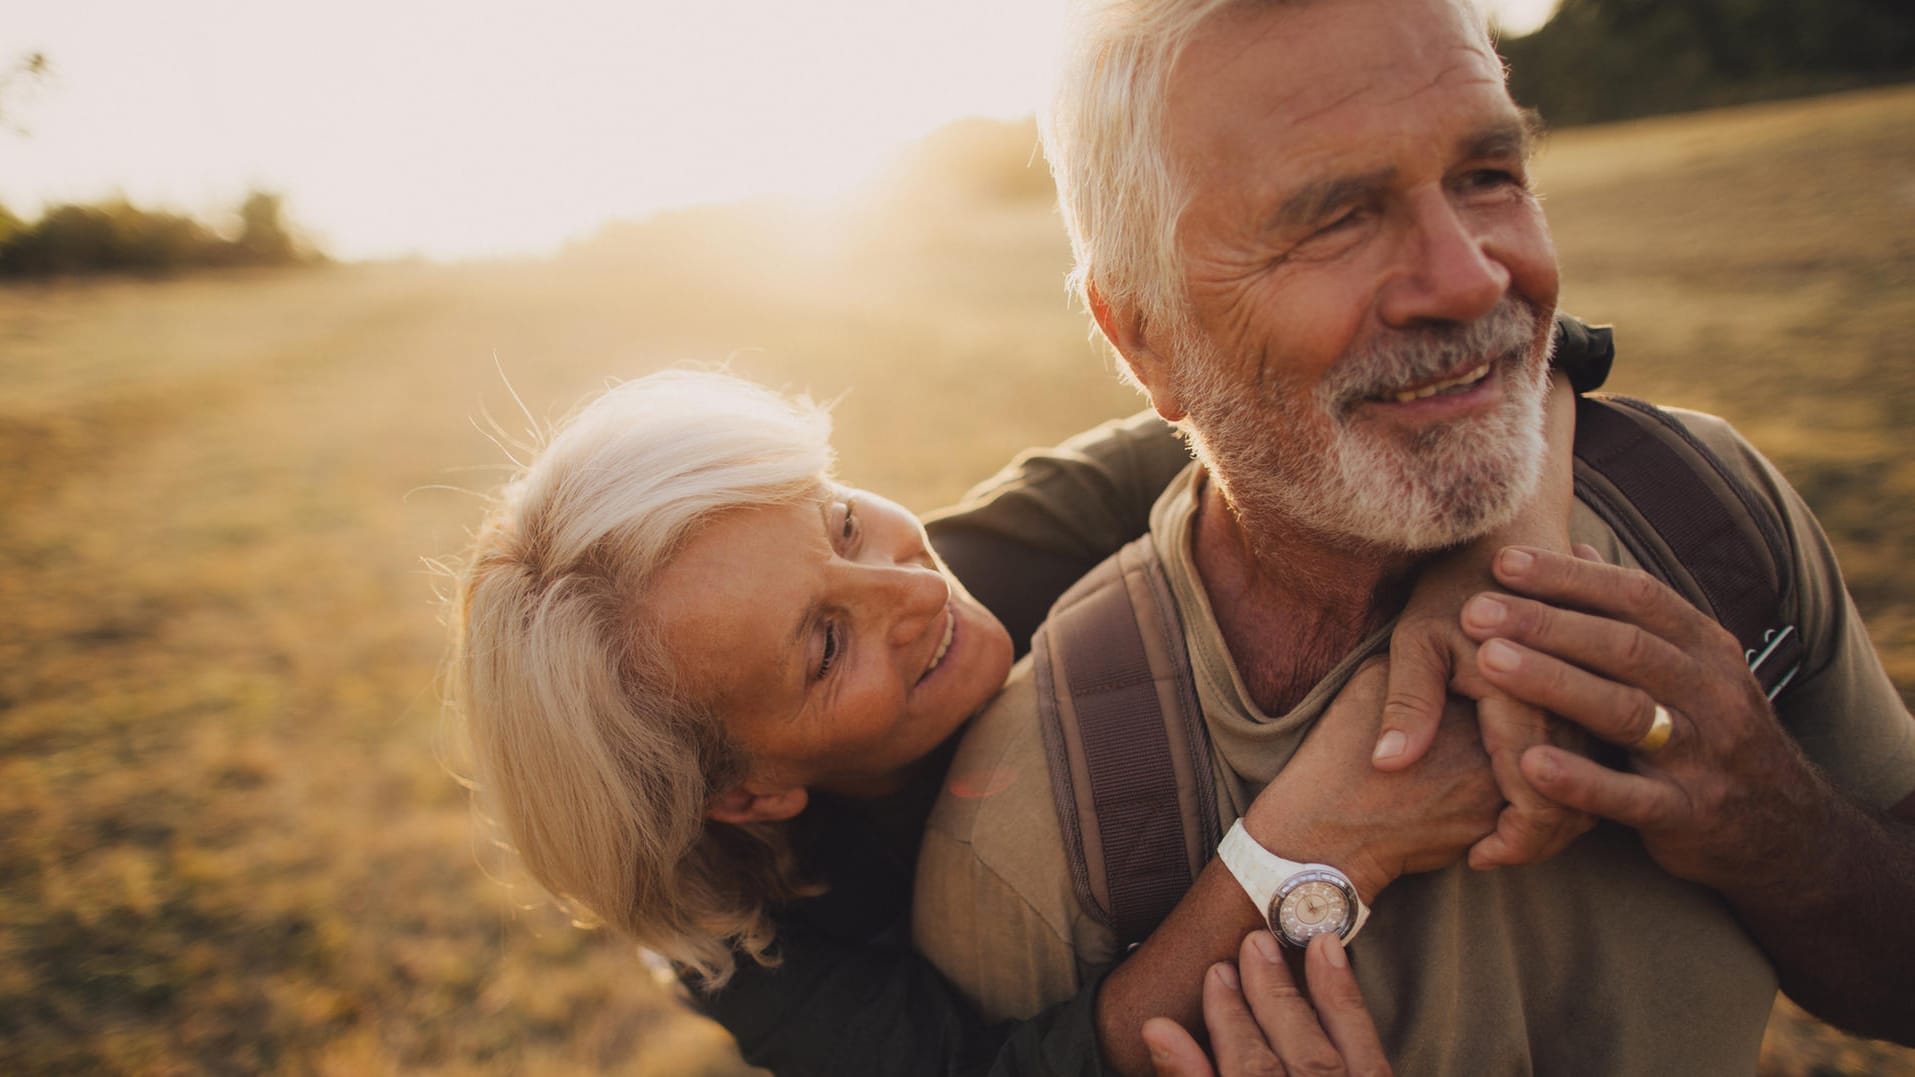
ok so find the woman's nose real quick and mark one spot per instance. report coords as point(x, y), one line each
point(911, 599)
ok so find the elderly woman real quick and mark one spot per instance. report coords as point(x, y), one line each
point(673, 629)
point(710, 694)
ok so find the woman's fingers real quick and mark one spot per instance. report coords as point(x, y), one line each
point(1531, 828)
point(1421, 667)
point(1173, 1052)
point(1261, 1025)
point(1282, 1011)
point(1235, 1036)
point(1340, 1007)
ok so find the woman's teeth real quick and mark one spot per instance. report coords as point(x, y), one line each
point(1468, 377)
point(944, 645)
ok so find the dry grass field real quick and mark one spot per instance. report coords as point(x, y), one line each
point(230, 842)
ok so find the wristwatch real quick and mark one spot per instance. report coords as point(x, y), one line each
point(1298, 901)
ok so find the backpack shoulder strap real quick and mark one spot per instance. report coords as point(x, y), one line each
point(1129, 757)
point(1691, 523)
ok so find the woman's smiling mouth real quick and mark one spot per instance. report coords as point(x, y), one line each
point(944, 645)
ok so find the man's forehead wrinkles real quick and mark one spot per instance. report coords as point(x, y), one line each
point(1312, 115)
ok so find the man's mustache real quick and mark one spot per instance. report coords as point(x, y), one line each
point(1406, 357)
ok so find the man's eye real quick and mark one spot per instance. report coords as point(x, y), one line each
point(831, 649)
point(1484, 179)
point(1341, 221)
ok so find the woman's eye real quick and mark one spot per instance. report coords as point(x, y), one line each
point(848, 532)
point(831, 649)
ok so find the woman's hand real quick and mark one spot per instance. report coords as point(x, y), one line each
point(1260, 1023)
point(1431, 657)
point(1377, 825)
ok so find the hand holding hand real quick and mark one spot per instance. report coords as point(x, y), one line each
point(1329, 805)
point(1431, 657)
point(1719, 791)
point(1259, 1022)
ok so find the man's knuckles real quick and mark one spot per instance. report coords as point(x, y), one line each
point(1642, 597)
point(1317, 1059)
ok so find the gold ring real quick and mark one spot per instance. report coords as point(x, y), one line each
point(1659, 729)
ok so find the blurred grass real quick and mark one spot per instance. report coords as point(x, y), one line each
point(230, 846)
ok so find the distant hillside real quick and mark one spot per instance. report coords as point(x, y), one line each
point(1615, 59)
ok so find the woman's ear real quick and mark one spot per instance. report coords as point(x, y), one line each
point(753, 803)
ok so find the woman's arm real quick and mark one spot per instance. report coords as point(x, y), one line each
point(1023, 536)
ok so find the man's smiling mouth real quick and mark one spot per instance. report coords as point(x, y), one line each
point(1466, 379)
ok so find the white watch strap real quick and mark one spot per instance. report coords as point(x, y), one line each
point(1261, 873)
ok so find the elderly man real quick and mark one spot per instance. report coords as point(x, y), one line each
point(1307, 228)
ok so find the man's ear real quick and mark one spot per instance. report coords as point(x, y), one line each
point(1125, 329)
point(751, 802)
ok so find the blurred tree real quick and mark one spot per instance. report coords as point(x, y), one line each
point(263, 237)
point(119, 237)
point(29, 71)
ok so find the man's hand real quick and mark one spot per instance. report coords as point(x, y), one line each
point(1329, 805)
point(1431, 658)
point(1728, 798)
point(1261, 1024)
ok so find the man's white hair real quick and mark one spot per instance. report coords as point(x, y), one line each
point(1104, 136)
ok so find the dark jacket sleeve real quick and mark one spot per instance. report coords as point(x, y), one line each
point(840, 1008)
point(1023, 536)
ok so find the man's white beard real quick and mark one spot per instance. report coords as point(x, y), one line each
point(1445, 485)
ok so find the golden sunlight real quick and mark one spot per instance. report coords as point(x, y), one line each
point(453, 128)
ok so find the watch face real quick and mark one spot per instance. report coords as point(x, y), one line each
point(1312, 903)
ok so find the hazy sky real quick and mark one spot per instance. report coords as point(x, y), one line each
point(456, 127)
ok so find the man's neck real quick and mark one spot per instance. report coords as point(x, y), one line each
point(1291, 602)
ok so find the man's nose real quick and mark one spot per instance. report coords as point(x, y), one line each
point(1445, 274)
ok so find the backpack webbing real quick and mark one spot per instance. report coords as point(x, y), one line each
point(1129, 756)
point(1130, 772)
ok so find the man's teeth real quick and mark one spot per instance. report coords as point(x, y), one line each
point(944, 645)
point(1467, 377)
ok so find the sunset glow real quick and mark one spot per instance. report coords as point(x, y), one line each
point(473, 128)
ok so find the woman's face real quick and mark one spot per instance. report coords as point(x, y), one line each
point(834, 645)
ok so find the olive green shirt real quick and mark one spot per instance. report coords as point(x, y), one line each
point(1596, 962)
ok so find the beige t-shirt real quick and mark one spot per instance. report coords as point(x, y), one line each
point(1595, 962)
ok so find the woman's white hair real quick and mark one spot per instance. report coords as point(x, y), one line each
point(595, 762)
point(1104, 136)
